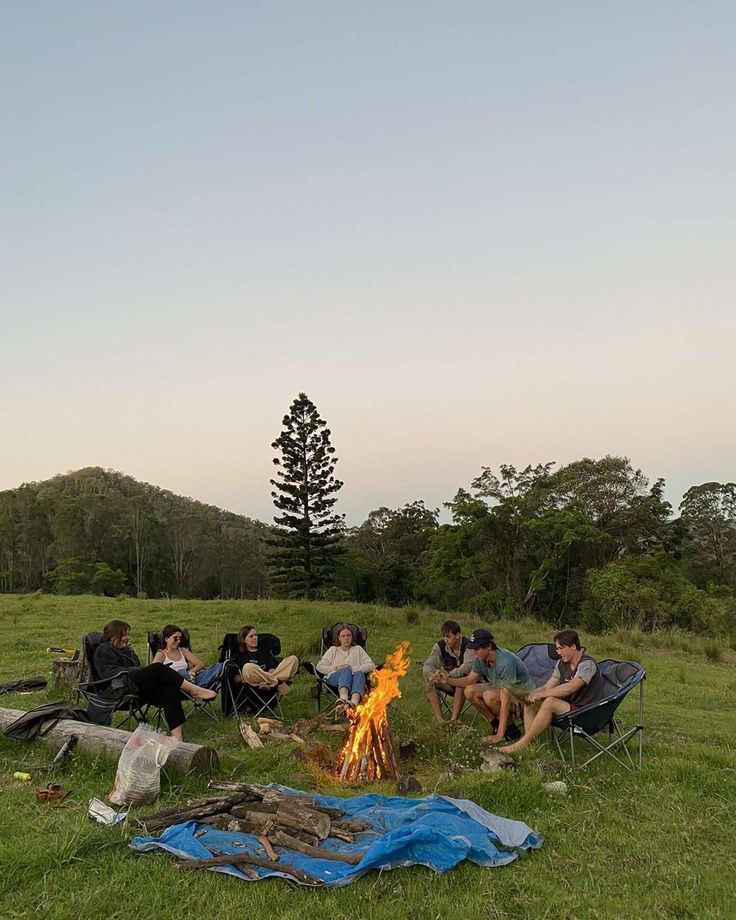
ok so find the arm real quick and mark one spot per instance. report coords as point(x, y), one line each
point(326, 663)
point(465, 668)
point(472, 678)
point(364, 663)
point(553, 688)
point(433, 663)
point(107, 662)
point(196, 663)
point(158, 658)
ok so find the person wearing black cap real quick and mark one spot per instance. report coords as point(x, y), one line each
point(498, 680)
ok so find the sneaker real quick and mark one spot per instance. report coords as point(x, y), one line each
point(513, 732)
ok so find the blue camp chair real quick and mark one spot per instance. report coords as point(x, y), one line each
point(619, 678)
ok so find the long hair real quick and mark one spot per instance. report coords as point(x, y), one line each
point(338, 629)
point(242, 633)
point(115, 629)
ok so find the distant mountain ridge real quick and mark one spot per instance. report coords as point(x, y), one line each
point(102, 531)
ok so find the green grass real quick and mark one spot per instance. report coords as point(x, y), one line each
point(658, 844)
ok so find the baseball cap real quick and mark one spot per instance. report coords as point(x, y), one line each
point(479, 638)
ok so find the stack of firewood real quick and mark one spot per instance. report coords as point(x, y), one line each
point(280, 822)
point(276, 730)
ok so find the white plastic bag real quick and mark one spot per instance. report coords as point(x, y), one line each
point(138, 780)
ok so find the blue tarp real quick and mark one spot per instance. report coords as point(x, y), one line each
point(435, 831)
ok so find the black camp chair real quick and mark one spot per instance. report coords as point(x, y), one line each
point(156, 643)
point(360, 637)
point(619, 678)
point(238, 697)
point(101, 707)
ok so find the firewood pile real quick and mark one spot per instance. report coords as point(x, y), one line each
point(275, 730)
point(282, 823)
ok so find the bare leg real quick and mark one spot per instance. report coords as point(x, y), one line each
point(354, 699)
point(177, 733)
point(197, 693)
point(474, 693)
point(457, 704)
point(434, 701)
point(550, 708)
point(500, 702)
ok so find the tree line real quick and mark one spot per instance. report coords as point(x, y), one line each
point(592, 543)
point(96, 531)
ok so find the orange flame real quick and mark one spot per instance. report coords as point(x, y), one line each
point(372, 710)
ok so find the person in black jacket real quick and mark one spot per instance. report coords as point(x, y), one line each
point(156, 683)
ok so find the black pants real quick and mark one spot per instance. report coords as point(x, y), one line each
point(161, 686)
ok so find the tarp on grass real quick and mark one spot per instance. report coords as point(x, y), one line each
point(435, 831)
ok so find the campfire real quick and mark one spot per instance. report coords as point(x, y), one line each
point(367, 753)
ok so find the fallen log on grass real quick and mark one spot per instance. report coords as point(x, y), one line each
point(109, 742)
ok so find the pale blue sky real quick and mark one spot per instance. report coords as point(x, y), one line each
point(472, 233)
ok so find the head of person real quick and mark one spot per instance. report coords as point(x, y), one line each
point(172, 636)
point(567, 644)
point(116, 633)
point(484, 645)
point(343, 635)
point(247, 638)
point(451, 633)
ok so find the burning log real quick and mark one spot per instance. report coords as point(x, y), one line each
point(368, 753)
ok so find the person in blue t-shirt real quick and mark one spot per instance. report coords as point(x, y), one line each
point(497, 683)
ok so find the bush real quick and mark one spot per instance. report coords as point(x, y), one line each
point(649, 593)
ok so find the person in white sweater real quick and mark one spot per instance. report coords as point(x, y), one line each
point(346, 665)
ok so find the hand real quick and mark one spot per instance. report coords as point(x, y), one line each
point(492, 739)
point(534, 697)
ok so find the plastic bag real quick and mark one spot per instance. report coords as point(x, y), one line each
point(138, 779)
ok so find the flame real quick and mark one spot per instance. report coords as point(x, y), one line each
point(369, 718)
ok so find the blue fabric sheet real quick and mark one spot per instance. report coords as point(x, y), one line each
point(435, 831)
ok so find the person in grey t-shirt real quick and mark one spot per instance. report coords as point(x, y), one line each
point(575, 682)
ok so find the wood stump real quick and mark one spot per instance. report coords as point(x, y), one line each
point(66, 674)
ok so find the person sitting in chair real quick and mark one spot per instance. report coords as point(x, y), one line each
point(450, 657)
point(258, 665)
point(155, 684)
point(575, 682)
point(497, 683)
point(345, 665)
point(183, 660)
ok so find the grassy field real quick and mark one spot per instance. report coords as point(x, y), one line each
point(658, 844)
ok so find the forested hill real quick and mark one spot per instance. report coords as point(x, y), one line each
point(99, 531)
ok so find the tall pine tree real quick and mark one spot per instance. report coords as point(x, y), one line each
point(308, 530)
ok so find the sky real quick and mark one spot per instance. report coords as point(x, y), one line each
point(473, 234)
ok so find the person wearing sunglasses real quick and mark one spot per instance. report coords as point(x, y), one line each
point(183, 660)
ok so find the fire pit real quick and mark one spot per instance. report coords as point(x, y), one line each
point(367, 754)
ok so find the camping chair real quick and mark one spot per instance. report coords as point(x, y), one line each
point(360, 637)
point(242, 696)
point(93, 689)
point(156, 643)
point(619, 677)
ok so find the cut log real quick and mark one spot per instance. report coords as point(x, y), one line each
point(249, 736)
point(292, 814)
point(305, 726)
point(284, 736)
point(291, 843)
point(67, 673)
point(109, 742)
point(270, 852)
point(193, 812)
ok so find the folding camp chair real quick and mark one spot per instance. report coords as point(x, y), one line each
point(237, 697)
point(619, 677)
point(104, 707)
point(156, 643)
point(360, 637)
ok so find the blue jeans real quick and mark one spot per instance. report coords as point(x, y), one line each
point(208, 675)
point(354, 681)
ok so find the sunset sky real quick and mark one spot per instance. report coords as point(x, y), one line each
point(473, 234)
